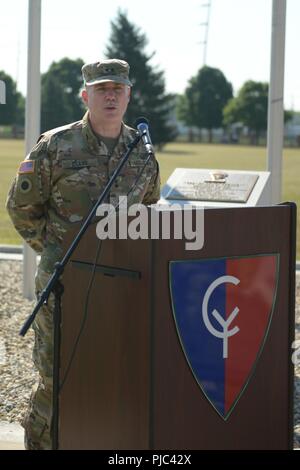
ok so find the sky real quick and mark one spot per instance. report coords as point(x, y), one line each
point(239, 37)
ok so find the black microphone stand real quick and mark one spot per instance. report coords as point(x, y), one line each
point(55, 286)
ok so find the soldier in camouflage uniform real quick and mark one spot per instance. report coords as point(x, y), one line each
point(54, 190)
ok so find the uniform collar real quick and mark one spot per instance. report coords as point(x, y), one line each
point(99, 148)
point(90, 137)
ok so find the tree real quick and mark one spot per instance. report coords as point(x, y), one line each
point(183, 114)
point(17, 128)
point(250, 107)
point(61, 102)
point(20, 117)
point(148, 98)
point(288, 115)
point(55, 111)
point(204, 99)
point(8, 111)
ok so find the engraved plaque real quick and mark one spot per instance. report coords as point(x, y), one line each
point(213, 186)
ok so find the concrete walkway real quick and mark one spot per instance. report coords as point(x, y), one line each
point(11, 436)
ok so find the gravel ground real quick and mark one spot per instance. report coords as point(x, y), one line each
point(16, 370)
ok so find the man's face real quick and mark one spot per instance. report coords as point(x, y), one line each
point(107, 102)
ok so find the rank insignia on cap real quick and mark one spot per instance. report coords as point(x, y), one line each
point(26, 167)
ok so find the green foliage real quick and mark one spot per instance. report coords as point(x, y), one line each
point(54, 107)
point(9, 111)
point(61, 102)
point(148, 97)
point(288, 115)
point(204, 99)
point(20, 117)
point(250, 107)
point(183, 110)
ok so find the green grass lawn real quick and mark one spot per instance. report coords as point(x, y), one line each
point(174, 155)
point(11, 153)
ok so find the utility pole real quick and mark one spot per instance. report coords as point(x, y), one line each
point(205, 24)
point(32, 121)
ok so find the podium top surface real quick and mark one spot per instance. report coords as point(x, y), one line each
point(216, 188)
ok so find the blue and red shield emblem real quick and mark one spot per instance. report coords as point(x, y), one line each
point(223, 310)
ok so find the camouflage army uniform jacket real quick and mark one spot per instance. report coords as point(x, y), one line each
point(64, 175)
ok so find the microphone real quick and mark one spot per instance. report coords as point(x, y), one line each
point(142, 126)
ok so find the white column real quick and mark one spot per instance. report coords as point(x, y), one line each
point(276, 106)
point(32, 121)
point(2, 92)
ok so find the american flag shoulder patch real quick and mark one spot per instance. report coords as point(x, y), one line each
point(26, 167)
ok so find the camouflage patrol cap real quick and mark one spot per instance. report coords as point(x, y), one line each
point(112, 70)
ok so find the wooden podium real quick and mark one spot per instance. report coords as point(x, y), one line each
point(129, 384)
